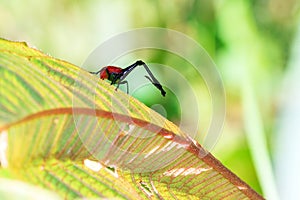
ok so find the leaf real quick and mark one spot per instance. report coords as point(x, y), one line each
point(71, 133)
point(15, 190)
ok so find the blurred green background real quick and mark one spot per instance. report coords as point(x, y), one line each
point(251, 41)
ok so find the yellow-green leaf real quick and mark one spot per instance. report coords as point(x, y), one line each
point(71, 133)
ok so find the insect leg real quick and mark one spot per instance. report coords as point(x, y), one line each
point(123, 82)
point(97, 71)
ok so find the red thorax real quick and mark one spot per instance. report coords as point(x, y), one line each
point(109, 70)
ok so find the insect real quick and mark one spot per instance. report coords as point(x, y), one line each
point(117, 75)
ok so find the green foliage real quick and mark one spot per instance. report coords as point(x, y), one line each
point(64, 130)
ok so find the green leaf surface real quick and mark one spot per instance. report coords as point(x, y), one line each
point(67, 131)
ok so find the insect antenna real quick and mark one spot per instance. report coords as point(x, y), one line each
point(152, 79)
point(157, 85)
